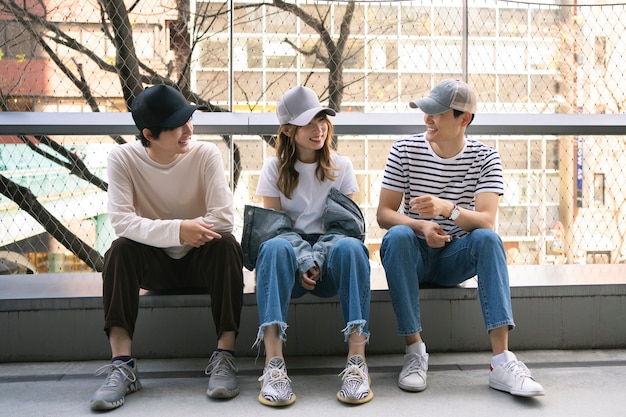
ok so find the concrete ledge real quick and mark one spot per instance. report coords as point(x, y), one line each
point(59, 317)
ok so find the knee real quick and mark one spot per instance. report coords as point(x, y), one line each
point(350, 250)
point(229, 244)
point(228, 239)
point(274, 246)
point(398, 235)
point(272, 253)
point(122, 243)
point(399, 232)
point(123, 248)
point(486, 237)
point(351, 245)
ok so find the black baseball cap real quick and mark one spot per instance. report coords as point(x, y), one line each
point(162, 106)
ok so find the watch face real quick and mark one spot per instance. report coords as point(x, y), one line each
point(455, 213)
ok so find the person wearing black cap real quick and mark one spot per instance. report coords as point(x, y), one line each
point(172, 212)
point(439, 200)
point(297, 182)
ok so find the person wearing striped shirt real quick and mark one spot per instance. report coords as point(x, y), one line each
point(438, 202)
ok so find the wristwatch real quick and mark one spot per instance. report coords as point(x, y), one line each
point(454, 214)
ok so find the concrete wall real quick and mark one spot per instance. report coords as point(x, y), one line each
point(59, 317)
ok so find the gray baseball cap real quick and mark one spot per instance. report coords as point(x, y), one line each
point(448, 94)
point(299, 105)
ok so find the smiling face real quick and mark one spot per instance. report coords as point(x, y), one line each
point(170, 143)
point(440, 127)
point(311, 138)
point(445, 132)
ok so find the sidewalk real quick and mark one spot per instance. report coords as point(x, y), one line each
point(577, 383)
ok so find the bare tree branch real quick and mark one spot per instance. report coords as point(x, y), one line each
point(27, 201)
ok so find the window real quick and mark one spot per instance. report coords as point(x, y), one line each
point(15, 41)
point(279, 55)
point(598, 189)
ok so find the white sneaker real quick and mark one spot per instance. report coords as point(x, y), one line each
point(413, 375)
point(275, 385)
point(513, 376)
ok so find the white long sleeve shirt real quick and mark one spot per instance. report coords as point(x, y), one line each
point(147, 201)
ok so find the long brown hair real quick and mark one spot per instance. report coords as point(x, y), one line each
point(288, 177)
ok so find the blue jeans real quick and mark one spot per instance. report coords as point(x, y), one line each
point(346, 272)
point(409, 262)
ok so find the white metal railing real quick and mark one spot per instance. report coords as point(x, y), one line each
point(378, 124)
point(44, 123)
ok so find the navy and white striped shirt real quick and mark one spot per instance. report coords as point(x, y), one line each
point(414, 169)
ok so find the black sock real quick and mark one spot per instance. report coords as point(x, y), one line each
point(128, 359)
point(232, 352)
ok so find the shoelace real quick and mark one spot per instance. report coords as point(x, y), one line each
point(518, 369)
point(415, 364)
point(124, 372)
point(275, 376)
point(220, 365)
point(353, 373)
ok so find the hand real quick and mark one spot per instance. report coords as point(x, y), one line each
point(310, 277)
point(196, 234)
point(434, 234)
point(430, 206)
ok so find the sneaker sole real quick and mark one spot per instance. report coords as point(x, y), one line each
point(506, 389)
point(356, 400)
point(222, 393)
point(102, 405)
point(411, 388)
point(281, 403)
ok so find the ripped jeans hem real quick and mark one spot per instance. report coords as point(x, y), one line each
point(282, 332)
point(356, 327)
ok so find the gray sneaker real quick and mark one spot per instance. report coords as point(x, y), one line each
point(121, 380)
point(413, 374)
point(223, 376)
point(275, 385)
point(356, 382)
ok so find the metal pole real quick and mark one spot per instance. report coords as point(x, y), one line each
point(231, 95)
point(464, 41)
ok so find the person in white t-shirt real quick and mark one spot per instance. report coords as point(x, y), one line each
point(297, 181)
point(172, 211)
point(439, 200)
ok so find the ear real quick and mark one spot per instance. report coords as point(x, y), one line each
point(148, 134)
point(467, 118)
point(289, 130)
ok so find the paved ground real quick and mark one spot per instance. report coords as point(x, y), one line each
point(577, 383)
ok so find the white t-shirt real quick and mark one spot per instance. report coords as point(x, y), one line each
point(309, 197)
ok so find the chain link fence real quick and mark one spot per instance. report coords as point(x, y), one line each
point(563, 202)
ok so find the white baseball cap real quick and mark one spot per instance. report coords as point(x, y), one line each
point(298, 106)
point(448, 94)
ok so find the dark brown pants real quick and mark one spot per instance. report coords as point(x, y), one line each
point(216, 266)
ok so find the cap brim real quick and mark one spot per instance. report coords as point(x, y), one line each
point(428, 106)
point(181, 116)
point(306, 117)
